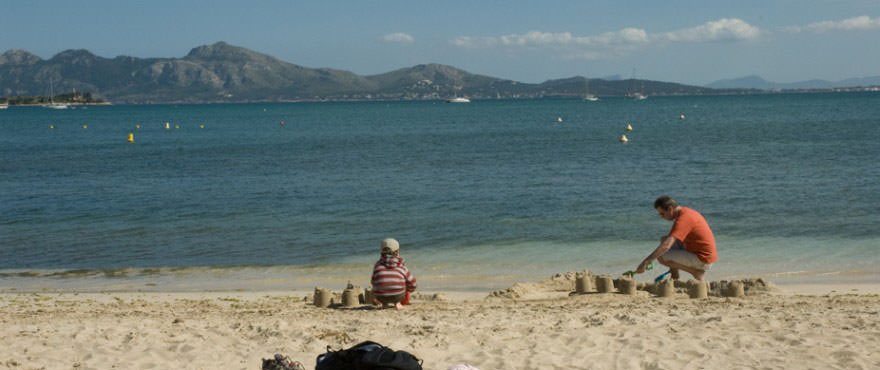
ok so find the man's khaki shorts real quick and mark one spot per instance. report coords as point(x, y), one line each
point(681, 256)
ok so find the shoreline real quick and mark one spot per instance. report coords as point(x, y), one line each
point(573, 96)
point(60, 102)
point(795, 289)
point(272, 283)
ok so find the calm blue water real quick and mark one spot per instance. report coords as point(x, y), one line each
point(488, 190)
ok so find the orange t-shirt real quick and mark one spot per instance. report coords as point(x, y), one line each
point(693, 231)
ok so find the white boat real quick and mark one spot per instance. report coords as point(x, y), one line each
point(52, 103)
point(637, 96)
point(587, 95)
point(4, 106)
point(458, 100)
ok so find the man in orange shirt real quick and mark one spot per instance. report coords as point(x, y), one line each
point(689, 246)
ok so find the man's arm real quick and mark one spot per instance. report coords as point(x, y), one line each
point(664, 246)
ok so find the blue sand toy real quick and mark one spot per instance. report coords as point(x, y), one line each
point(661, 277)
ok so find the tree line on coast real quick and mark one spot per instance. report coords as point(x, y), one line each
point(67, 98)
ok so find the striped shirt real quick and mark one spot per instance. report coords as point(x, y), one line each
point(391, 277)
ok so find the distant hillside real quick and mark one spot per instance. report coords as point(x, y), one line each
point(578, 86)
point(756, 82)
point(225, 73)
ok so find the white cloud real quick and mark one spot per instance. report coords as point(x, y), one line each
point(398, 37)
point(726, 29)
point(610, 44)
point(863, 22)
point(474, 42)
point(538, 39)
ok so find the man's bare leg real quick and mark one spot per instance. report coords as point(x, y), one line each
point(672, 271)
point(674, 267)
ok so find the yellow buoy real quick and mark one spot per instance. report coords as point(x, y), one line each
point(623, 139)
point(85, 125)
point(202, 126)
point(51, 126)
point(167, 126)
point(559, 119)
point(176, 126)
point(131, 137)
point(628, 127)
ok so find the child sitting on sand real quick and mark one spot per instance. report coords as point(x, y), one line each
point(392, 281)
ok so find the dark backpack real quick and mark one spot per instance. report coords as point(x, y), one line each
point(367, 356)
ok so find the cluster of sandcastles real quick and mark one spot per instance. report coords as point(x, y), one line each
point(586, 283)
point(355, 296)
point(577, 283)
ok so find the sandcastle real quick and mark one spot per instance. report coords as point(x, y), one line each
point(626, 285)
point(604, 284)
point(698, 289)
point(735, 289)
point(583, 283)
point(322, 297)
point(350, 297)
point(666, 289)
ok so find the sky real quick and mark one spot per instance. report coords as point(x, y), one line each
point(691, 42)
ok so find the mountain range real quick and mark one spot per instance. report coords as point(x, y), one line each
point(756, 82)
point(225, 73)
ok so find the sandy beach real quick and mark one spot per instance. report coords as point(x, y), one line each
point(530, 326)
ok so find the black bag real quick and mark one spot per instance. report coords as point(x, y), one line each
point(367, 356)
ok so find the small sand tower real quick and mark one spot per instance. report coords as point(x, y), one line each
point(350, 297)
point(583, 283)
point(626, 285)
point(666, 289)
point(697, 289)
point(604, 284)
point(735, 289)
point(322, 297)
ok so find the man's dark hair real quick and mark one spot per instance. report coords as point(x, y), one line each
point(664, 202)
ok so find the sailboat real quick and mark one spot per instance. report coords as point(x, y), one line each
point(587, 95)
point(636, 95)
point(52, 103)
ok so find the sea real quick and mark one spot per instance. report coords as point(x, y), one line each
point(291, 196)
